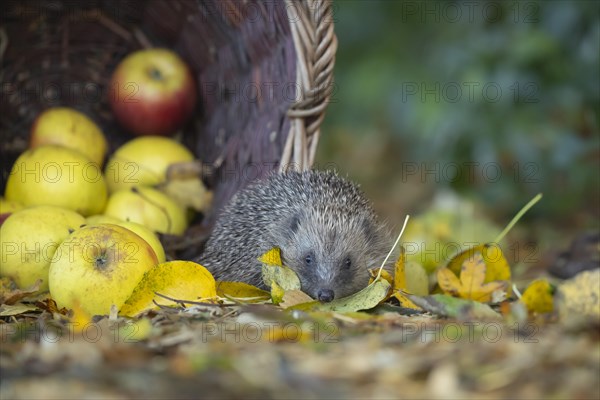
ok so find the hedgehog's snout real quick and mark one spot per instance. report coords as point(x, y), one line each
point(325, 295)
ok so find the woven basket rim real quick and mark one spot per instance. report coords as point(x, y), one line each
point(315, 42)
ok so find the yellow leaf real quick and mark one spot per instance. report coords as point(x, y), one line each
point(538, 297)
point(271, 257)
point(471, 284)
point(448, 282)
point(181, 280)
point(188, 192)
point(277, 293)
point(399, 271)
point(384, 275)
point(242, 291)
point(497, 268)
point(282, 275)
point(405, 301)
point(417, 280)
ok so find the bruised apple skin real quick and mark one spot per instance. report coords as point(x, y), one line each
point(152, 92)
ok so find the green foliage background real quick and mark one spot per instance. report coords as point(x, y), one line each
point(417, 87)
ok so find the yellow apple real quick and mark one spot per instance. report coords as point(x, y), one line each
point(98, 266)
point(9, 206)
point(144, 232)
point(70, 128)
point(28, 240)
point(143, 162)
point(152, 92)
point(57, 176)
point(149, 207)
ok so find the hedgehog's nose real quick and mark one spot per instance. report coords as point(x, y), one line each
point(325, 295)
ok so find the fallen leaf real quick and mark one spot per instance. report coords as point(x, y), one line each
point(580, 296)
point(188, 192)
point(182, 280)
point(294, 297)
point(365, 299)
point(497, 268)
point(242, 291)
point(448, 306)
point(384, 275)
point(272, 257)
point(417, 280)
point(274, 271)
point(7, 310)
point(10, 294)
point(277, 292)
point(471, 283)
point(539, 296)
point(399, 270)
point(401, 282)
point(49, 305)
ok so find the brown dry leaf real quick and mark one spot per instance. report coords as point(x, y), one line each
point(539, 296)
point(7, 310)
point(471, 284)
point(10, 295)
point(49, 305)
point(294, 297)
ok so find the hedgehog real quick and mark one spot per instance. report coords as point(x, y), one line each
point(323, 224)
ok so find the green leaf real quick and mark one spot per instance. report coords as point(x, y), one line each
point(366, 299)
point(448, 306)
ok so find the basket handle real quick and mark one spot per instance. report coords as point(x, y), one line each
point(311, 23)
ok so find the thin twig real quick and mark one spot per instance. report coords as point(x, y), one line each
point(392, 249)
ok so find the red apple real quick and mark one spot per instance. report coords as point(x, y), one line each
point(152, 92)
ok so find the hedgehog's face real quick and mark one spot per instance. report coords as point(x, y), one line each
point(331, 252)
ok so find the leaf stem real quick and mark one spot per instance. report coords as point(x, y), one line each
point(392, 249)
point(517, 217)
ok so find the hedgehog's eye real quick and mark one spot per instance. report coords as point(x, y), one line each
point(309, 260)
point(347, 262)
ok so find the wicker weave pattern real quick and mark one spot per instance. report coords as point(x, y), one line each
point(316, 45)
point(62, 52)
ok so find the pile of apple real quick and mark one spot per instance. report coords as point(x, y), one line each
point(90, 235)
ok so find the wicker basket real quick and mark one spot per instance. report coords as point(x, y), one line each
point(263, 69)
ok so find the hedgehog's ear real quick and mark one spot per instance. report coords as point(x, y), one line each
point(367, 227)
point(294, 223)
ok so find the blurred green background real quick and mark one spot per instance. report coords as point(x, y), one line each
point(484, 103)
